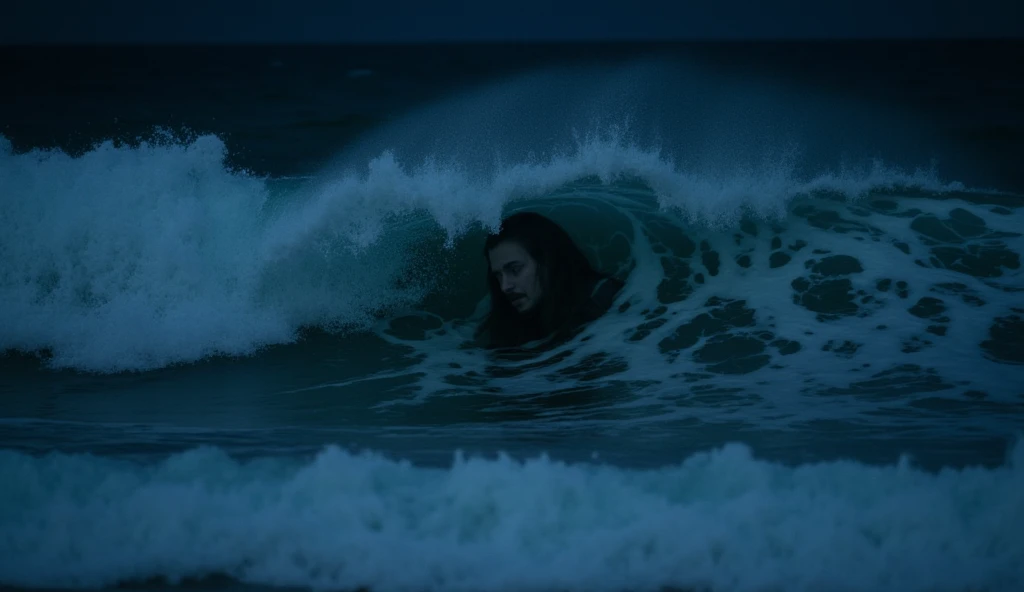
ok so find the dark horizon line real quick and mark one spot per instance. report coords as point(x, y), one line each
point(515, 41)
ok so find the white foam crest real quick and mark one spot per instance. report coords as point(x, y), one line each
point(455, 199)
point(710, 200)
point(721, 520)
point(132, 258)
point(110, 258)
point(858, 182)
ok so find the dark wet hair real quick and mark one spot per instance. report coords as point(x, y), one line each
point(566, 278)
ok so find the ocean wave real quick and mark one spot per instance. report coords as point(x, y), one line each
point(134, 257)
point(721, 520)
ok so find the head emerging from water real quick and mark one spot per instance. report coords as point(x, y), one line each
point(516, 274)
point(538, 279)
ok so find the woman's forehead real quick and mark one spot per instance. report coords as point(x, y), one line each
point(507, 252)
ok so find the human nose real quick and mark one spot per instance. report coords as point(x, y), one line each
point(506, 284)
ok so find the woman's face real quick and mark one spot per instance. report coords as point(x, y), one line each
point(517, 275)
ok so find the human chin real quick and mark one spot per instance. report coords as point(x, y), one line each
point(523, 303)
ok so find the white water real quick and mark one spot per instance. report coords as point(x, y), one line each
point(721, 519)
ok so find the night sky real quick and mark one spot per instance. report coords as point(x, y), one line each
point(410, 21)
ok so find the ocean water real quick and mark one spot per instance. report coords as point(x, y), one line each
point(238, 286)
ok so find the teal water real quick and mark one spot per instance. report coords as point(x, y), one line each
point(237, 349)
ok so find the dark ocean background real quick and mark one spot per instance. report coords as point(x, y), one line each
point(238, 285)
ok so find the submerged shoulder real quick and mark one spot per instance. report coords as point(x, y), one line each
point(607, 289)
point(603, 294)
